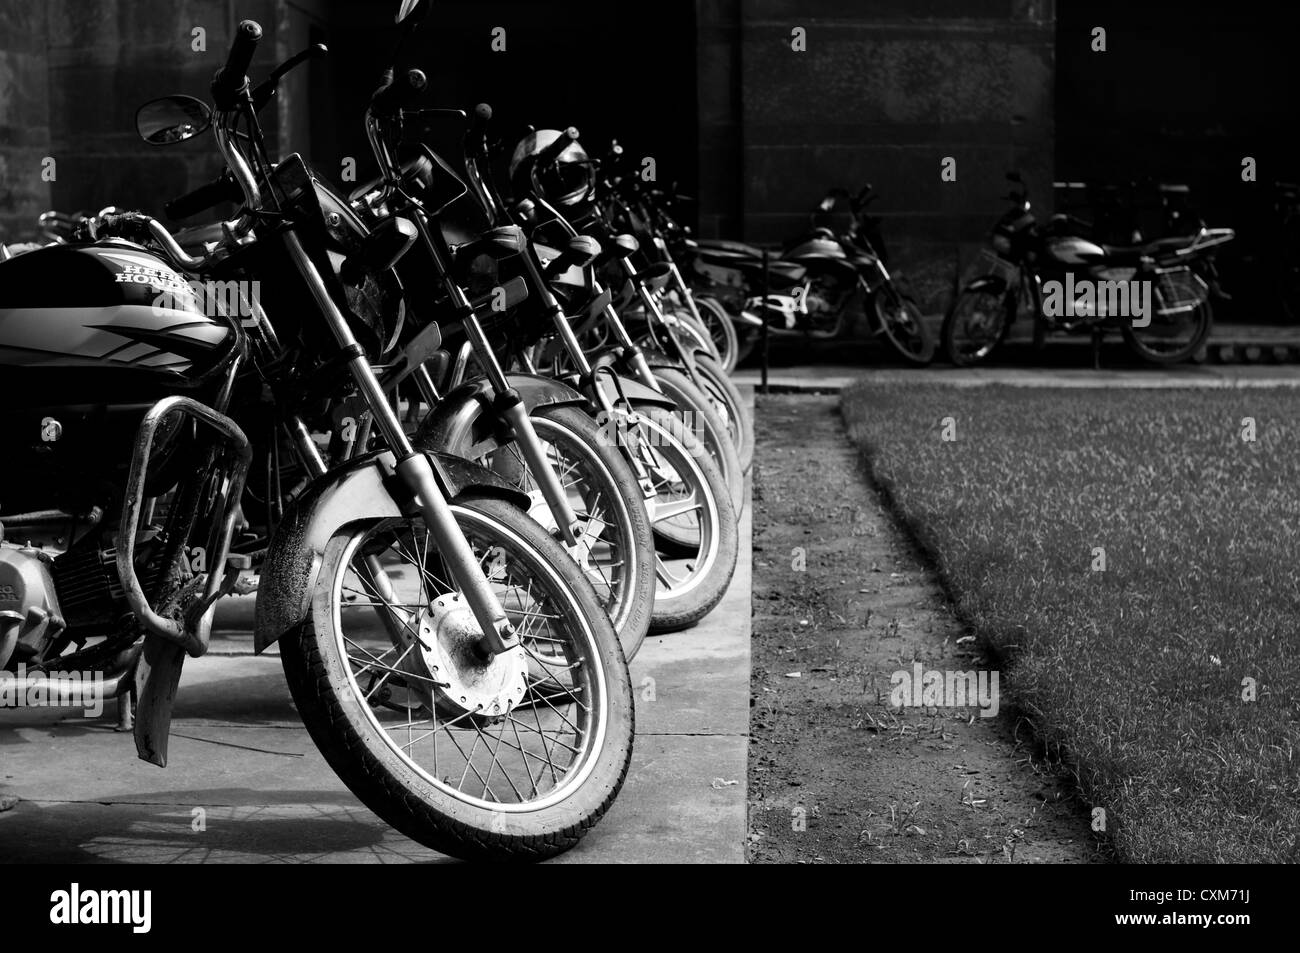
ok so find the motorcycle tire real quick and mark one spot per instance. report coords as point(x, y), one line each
point(361, 730)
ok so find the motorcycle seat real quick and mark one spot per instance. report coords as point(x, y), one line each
point(729, 248)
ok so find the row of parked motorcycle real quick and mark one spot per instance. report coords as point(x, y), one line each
point(463, 479)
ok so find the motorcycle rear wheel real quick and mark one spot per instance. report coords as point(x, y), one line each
point(383, 714)
point(1170, 340)
point(902, 325)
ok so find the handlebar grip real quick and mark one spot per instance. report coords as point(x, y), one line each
point(233, 77)
point(389, 99)
point(220, 189)
point(129, 225)
point(548, 156)
point(476, 136)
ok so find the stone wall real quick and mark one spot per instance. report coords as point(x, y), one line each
point(72, 74)
point(883, 93)
point(24, 118)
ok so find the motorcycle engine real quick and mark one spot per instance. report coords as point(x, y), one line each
point(29, 607)
point(820, 300)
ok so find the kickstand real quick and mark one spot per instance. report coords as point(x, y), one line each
point(1096, 349)
point(126, 710)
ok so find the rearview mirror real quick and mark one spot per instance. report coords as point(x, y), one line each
point(408, 11)
point(161, 122)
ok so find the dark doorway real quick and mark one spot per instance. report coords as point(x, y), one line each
point(612, 70)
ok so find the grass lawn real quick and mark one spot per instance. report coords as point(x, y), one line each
point(1134, 673)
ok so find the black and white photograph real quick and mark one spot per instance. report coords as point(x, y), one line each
point(701, 432)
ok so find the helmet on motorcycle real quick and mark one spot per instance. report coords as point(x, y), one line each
point(567, 180)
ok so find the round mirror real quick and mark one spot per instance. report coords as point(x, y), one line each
point(161, 122)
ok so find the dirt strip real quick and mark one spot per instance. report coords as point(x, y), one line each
point(838, 772)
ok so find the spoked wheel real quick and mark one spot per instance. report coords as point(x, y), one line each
point(977, 323)
point(515, 757)
point(721, 329)
point(1173, 338)
point(616, 547)
point(696, 333)
point(695, 527)
point(730, 407)
point(902, 325)
point(695, 409)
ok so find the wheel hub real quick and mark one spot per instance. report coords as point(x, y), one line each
point(469, 684)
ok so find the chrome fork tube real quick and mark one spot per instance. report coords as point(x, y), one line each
point(509, 404)
point(414, 469)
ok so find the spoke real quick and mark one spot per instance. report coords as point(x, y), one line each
point(667, 511)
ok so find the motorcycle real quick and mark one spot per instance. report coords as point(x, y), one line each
point(1156, 294)
point(452, 663)
point(819, 287)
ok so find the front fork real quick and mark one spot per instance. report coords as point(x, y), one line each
point(413, 469)
point(507, 402)
point(586, 373)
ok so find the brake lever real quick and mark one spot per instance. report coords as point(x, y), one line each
point(266, 90)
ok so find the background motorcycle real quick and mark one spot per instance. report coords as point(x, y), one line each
point(1021, 256)
point(818, 285)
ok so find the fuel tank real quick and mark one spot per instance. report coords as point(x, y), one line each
point(91, 336)
point(109, 314)
point(1075, 251)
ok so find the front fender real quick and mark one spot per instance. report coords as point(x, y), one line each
point(451, 423)
point(365, 488)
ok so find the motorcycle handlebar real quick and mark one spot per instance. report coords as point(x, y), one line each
point(232, 79)
point(391, 97)
point(220, 189)
point(476, 136)
point(548, 156)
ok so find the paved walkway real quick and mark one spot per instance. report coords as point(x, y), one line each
point(240, 754)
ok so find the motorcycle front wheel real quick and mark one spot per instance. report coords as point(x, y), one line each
point(696, 530)
point(976, 325)
point(730, 406)
point(616, 545)
point(721, 329)
point(695, 409)
point(514, 758)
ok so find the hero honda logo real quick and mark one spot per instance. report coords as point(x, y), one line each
point(236, 299)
